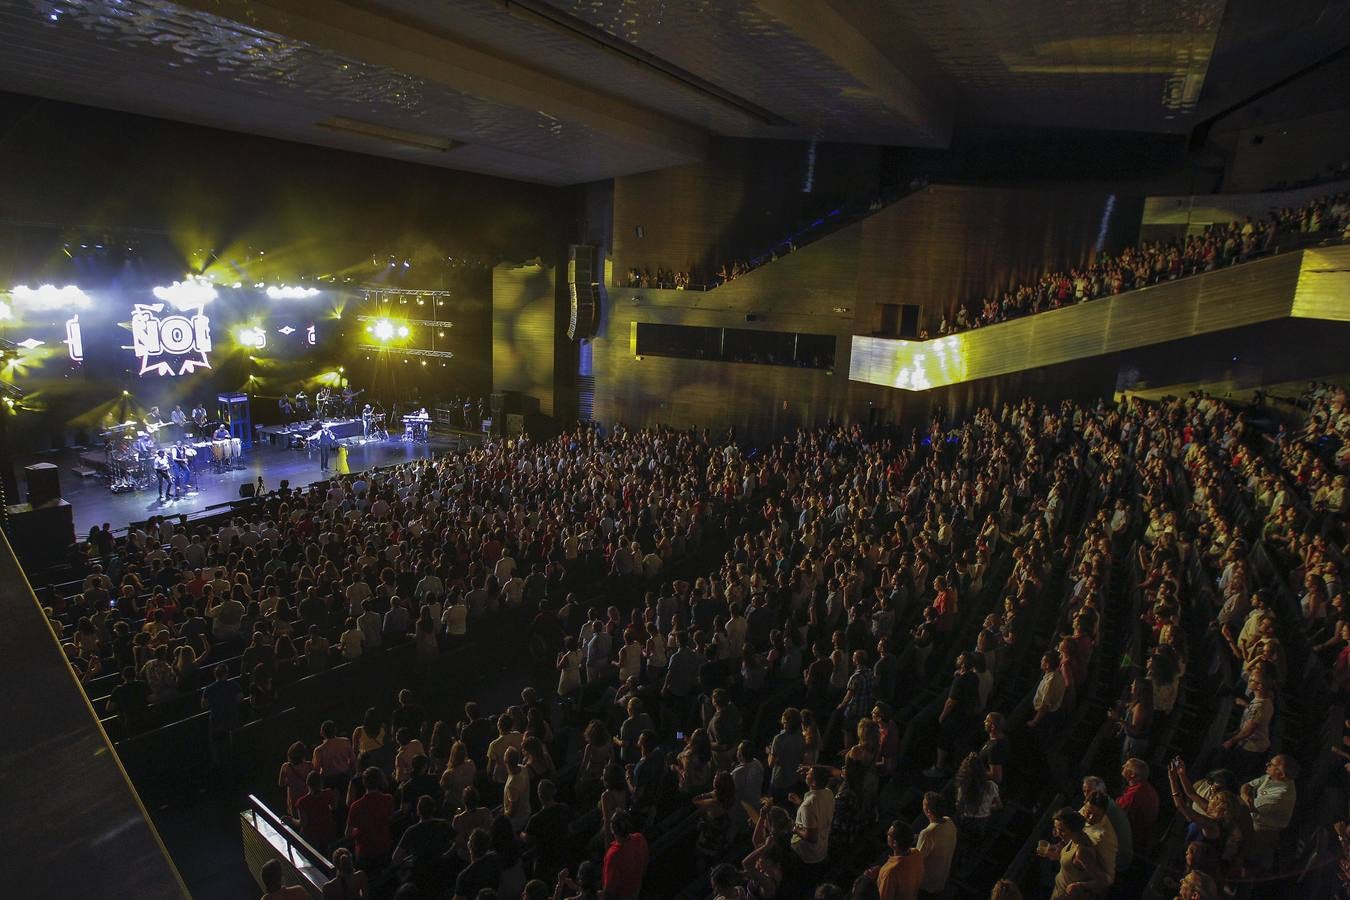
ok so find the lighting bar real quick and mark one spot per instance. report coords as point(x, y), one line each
point(49, 296)
point(430, 323)
point(373, 293)
point(290, 292)
point(407, 351)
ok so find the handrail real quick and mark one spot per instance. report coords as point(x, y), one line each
point(294, 839)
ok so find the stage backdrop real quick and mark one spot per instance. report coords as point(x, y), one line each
point(110, 352)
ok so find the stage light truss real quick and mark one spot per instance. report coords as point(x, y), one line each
point(406, 351)
point(403, 293)
point(430, 323)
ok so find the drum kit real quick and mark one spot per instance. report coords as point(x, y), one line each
point(375, 427)
point(130, 465)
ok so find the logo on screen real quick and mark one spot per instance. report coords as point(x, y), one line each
point(184, 339)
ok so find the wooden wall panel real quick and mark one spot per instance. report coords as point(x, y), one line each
point(736, 203)
point(947, 245)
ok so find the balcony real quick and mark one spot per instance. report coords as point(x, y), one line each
point(1307, 284)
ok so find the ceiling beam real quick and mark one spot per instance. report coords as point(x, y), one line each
point(441, 59)
point(820, 25)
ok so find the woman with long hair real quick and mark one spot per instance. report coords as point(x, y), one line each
point(716, 826)
point(569, 668)
point(460, 772)
point(977, 796)
point(427, 646)
point(349, 882)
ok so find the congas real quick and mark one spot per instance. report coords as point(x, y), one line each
point(220, 450)
point(236, 448)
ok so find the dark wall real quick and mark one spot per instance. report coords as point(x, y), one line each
point(79, 166)
point(745, 197)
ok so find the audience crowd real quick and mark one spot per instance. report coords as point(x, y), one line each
point(845, 665)
point(1153, 262)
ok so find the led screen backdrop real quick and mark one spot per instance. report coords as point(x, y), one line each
point(180, 334)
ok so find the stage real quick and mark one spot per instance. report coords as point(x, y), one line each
point(93, 503)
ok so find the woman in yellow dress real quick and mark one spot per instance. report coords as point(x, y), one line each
point(342, 467)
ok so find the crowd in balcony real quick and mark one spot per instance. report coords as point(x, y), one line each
point(848, 665)
point(1155, 262)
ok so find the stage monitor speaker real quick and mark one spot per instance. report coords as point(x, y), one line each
point(44, 483)
point(246, 491)
point(583, 291)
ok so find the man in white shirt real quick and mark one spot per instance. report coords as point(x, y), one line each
point(455, 618)
point(1101, 832)
point(815, 815)
point(430, 586)
point(936, 844)
point(736, 626)
point(505, 568)
point(1050, 691)
point(357, 593)
point(748, 776)
point(1270, 798)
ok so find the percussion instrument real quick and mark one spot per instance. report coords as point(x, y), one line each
point(236, 448)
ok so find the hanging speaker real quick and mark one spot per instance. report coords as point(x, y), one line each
point(583, 291)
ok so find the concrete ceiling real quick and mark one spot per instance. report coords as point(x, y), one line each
point(568, 91)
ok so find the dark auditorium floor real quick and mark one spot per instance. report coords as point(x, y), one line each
point(93, 503)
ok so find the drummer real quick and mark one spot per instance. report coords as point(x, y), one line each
point(145, 444)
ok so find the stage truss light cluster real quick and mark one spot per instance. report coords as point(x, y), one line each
point(49, 296)
point(290, 292)
point(193, 291)
point(407, 351)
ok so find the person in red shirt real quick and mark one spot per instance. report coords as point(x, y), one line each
point(625, 860)
point(368, 820)
point(314, 812)
point(1139, 801)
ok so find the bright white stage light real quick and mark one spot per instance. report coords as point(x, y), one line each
point(383, 330)
point(403, 331)
point(193, 291)
point(49, 296)
point(290, 292)
point(253, 337)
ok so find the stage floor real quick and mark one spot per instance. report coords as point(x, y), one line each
point(93, 503)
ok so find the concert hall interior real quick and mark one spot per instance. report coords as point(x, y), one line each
point(778, 449)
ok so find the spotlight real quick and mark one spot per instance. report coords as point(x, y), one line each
point(49, 296)
point(126, 393)
point(407, 264)
point(193, 290)
point(403, 331)
point(289, 292)
point(383, 331)
point(341, 370)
